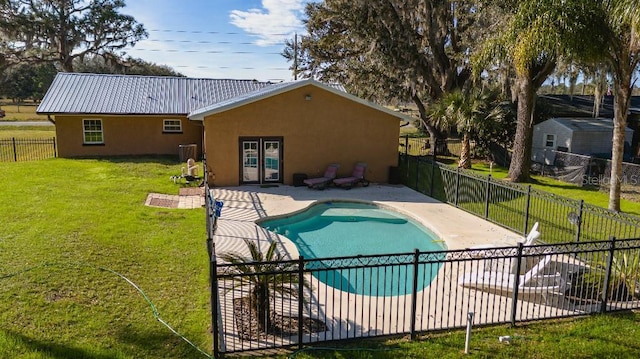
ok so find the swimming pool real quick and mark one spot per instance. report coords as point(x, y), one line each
point(341, 229)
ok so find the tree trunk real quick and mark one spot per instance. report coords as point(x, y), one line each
point(260, 303)
point(622, 83)
point(521, 159)
point(64, 46)
point(67, 64)
point(433, 132)
point(465, 152)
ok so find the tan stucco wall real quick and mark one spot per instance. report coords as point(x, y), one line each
point(328, 128)
point(125, 135)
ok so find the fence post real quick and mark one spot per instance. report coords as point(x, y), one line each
point(455, 199)
point(433, 151)
point(579, 219)
point(55, 151)
point(526, 211)
point(605, 291)
point(433, 170)
point(487, 198)
point(15, 150)
point(414, 293)
point(516, 284)
point(406, 145)
point(300, 298)
point(417, 188)
point(213, 275)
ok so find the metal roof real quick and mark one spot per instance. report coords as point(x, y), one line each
point(585, 124)
point(80, 93)
point(265, 92)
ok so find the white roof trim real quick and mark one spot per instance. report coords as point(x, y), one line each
point(200, 114)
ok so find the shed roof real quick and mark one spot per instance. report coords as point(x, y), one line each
point(265, 92)
point(80, 93)
point(585, 124)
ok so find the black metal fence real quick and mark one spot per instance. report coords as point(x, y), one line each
point(24, 149)
point(515, 206)
point(581, 169)
point(421, 146)
point(582, 270)
point(411, 293)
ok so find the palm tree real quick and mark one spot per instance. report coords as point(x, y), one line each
point(536, 34)
point(622, 55)
point(265, 274)
point(467, 112)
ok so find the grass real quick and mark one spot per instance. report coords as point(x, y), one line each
point(64, 220)
point(29, 149)
point(29, 132)
point(21, 112)
point(592, 337)
point(590, 195)
point(508, 207)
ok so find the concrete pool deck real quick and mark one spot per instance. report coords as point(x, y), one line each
point(443, 304)
point(244, 205)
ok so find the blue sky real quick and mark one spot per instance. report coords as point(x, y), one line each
point(239, 39)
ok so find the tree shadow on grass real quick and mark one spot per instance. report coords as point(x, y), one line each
point(561, 185)
point(53, 349)
point(160, 340)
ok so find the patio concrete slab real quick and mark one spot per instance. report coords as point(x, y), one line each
point(443, 304)
point(244, 205)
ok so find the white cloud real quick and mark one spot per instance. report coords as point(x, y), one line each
point(276, 21)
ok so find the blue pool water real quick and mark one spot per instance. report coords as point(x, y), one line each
point(341, 229)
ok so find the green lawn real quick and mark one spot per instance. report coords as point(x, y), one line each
point(67, 219)
point(21, 112)
point(29, 132)
point(509, 207)
point(610, 336)
point(588, 194)
point(26, 143)
point(66, 224)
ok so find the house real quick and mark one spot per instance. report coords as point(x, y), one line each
point(251, 132)
point(297, 127)
point(585, 136)
point(113, 115)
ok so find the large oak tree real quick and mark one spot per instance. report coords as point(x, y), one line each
point(387, 50)
point(62, 30)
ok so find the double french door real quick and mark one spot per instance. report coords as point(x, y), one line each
point(261, 160)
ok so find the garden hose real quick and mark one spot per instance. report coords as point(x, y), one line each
point(154, 310)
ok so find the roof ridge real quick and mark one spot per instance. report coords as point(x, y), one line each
point(160, 77)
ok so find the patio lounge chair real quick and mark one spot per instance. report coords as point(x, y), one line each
point(189, 174)
point(325, 180)
point(357, 176)
point(534, 281)
point(529, 240)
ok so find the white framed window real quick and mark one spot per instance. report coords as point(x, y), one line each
point(92, 131)
point(550, 140)
point(172, 125)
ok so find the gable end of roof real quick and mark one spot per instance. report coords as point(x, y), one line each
point(274, 90)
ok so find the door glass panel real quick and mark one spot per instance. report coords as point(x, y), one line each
point(271, 160)
point(250, 161)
